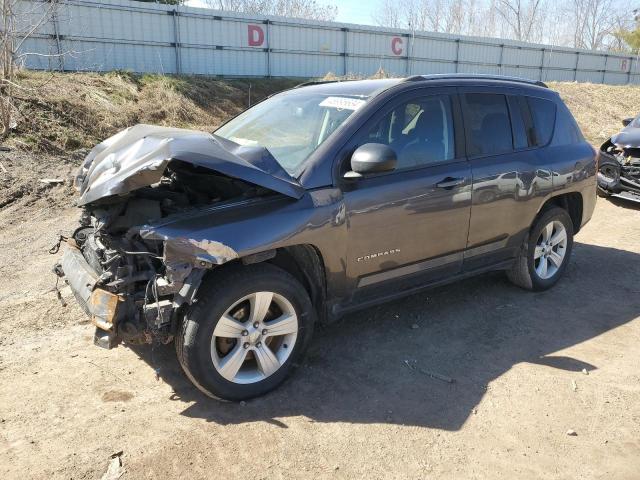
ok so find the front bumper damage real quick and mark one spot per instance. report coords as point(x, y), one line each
point(619, 170)
point(137, 258)
point(127, 316)
point(135, 285)
point(102, 306)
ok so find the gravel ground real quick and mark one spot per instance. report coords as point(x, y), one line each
point(354, 408)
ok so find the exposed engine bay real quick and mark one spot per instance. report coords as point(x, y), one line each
point(129, 268)
point(619, 164)
point(151, 284)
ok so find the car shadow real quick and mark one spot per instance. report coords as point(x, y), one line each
point(428, 359)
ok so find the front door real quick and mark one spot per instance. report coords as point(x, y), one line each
point(410, 224)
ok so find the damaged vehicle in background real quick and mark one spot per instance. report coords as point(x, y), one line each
point(318, 201)
point(619, 163)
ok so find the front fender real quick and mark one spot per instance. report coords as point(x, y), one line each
point(214, 236)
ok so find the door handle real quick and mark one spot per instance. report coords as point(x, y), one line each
point(450, 182)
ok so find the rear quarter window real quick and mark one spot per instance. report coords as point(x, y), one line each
point(543, 114)
point(567, 131)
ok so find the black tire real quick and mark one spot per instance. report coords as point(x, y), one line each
point(217, 294)
point(609, 172)
point(523, 273)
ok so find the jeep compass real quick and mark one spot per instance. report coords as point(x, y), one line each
point(322, 199)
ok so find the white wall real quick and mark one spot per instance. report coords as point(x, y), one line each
point(146, 37)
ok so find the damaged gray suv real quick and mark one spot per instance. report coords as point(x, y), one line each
point(317, 201)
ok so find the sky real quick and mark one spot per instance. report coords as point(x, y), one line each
point(349, 11)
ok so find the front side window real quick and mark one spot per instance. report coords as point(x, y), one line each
point(420, 131)
point(291, 125)
point(487, 124)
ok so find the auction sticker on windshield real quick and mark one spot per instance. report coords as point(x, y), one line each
point(343, 103)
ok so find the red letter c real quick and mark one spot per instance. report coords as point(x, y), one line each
point(396, 45)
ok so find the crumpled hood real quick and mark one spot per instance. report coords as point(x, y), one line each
point(138, 156)
point(629, 137)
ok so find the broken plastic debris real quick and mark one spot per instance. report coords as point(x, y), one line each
point(115, 470)
point(52, 181)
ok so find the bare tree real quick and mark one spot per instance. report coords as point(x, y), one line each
point(309, 9)
point(431, 15)
point(595, 22)
point(19, 24)
point(521, 16)
point(8, 68)
point(457, 16)
point(485, 21)
point(388, 15)
point(590, 24)
point(470, 17)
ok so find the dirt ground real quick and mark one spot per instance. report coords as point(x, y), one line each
point(354, 408)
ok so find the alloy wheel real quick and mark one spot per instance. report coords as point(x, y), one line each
point(254, 337)
point(550, 249)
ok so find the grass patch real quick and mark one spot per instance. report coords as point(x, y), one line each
point(63, 112)
point(68, 111)
point(599, 109)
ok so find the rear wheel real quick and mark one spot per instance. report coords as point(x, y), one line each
point(545, 253)
point(248, 330)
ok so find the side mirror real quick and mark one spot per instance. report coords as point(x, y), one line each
point(626, 121)
point(372, 158)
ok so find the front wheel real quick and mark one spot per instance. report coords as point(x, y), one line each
point(609, 172)
point(545, 253)
point(246, 333)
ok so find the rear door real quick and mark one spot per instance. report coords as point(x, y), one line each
point(411, 223)
point(510, 176)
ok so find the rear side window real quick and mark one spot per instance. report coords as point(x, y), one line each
point(543, 113)
point(487, 124)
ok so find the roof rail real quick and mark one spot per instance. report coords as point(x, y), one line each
point(474, 76)
point(319, 82)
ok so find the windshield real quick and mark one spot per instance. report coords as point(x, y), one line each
point(291, 126)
